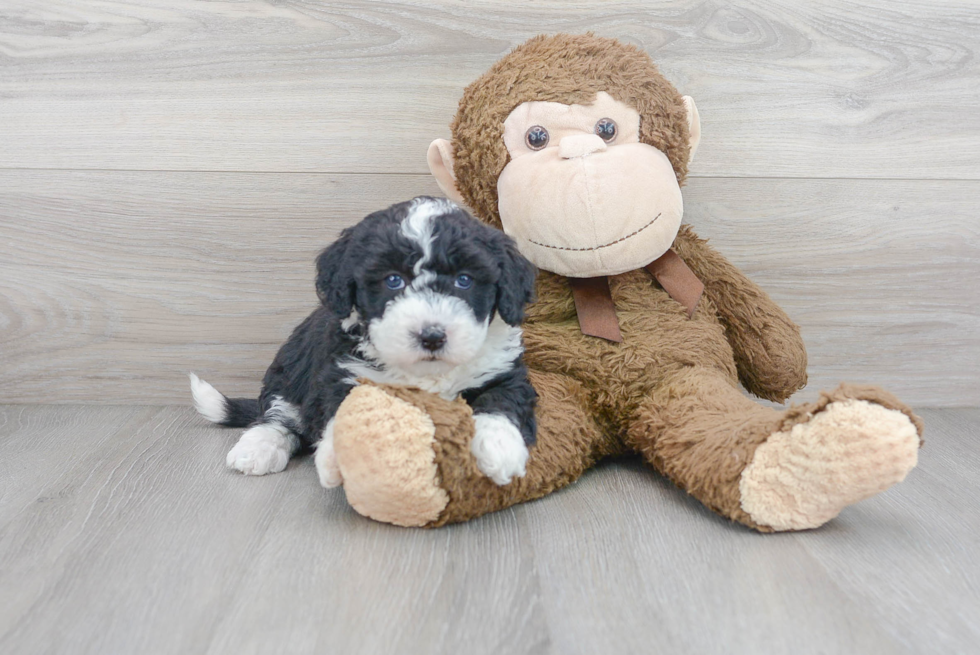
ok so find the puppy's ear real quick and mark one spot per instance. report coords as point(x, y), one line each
point(515, 287)
point(334, 276)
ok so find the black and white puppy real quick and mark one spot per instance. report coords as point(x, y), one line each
point(419, 294)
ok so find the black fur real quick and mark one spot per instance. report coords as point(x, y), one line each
point(351, 277)
point(240, 412)
point(508, 394)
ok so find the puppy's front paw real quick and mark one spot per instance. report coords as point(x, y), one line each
point(326, 460)
point(499, 448)
point(262, 449)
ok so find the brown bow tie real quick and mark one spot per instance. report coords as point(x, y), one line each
point(594, 303)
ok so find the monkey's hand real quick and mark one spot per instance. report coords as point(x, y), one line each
point(769, 352)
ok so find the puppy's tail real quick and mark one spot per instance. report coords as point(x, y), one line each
point(218, 408)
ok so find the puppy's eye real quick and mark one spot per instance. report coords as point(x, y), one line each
point(536, 137)
point(395, 282)
point(606, 129)
point(464, 281)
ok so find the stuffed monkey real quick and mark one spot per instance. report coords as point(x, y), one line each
point(577, 147)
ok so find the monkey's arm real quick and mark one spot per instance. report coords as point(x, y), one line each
point(769, 351)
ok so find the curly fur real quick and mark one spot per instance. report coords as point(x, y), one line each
point(670, 391)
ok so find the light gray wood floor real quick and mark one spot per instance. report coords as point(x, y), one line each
point(121, 532)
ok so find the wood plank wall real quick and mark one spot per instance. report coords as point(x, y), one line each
point(169, 168)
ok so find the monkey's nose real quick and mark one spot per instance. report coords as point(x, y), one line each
point(580, 145)
point(432, 338)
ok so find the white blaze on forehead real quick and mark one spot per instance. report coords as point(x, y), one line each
point(422, 279)
point(418, 225)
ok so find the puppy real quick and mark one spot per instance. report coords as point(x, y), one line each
point(418, 294)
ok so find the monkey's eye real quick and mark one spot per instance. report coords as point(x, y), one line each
point(395, 282)
point(464, 281)
point(606, 129)
point(536, 137)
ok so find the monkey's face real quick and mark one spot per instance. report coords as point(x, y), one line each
point(581, 195)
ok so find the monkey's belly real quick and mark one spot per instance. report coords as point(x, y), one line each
point(659, 340)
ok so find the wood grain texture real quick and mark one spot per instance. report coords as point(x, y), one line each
point(785, 89)
point(121, 532)
point(114, 285)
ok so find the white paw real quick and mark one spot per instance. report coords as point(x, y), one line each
point(263, 449)
point(499, 448)
point(326, 460)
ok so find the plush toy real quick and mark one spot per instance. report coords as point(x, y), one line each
point(577, 147)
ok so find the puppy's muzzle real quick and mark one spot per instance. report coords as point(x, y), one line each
point(432, 338)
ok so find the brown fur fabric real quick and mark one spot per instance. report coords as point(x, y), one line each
point(769, 353)
point(802, 413)
point(571, 441)
point(670, 390)
point(569, 69)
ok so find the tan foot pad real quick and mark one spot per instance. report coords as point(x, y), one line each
point(384, 447)
point(803, 477)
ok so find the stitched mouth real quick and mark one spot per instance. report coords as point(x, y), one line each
point(605, 245)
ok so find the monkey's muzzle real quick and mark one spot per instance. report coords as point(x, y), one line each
point(604, 212)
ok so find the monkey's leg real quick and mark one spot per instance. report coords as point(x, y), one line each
point(404, 454)
point(773, 470)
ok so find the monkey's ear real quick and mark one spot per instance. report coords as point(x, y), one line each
point(440, 158)
point(693, 125)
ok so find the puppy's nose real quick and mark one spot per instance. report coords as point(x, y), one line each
point(580, 145)
point(432, 338)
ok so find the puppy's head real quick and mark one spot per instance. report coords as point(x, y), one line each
point(421, 281)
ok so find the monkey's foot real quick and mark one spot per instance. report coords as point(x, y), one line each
point(384, 448)
point(805, 475)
